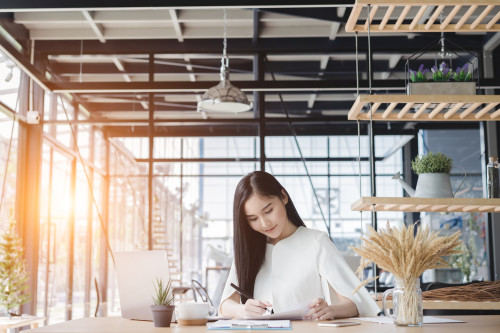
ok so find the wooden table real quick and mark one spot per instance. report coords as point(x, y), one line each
point(477, 324)
point(6, 323)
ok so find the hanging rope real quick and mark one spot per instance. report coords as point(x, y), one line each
point(372, 149)
point(359, 135)
point(73, 134)
point(294, 133)
point(224, 43)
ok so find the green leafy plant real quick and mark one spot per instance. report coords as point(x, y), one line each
point(463, 260)
point(432, 163)
point(13, 275)
point(164, 295)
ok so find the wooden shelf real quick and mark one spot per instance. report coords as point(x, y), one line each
point(427, 204)
point(454, 305)
point(423, 16)
point(427, 108)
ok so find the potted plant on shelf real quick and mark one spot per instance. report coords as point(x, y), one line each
point(162, 308)
point(433, 172)
point(443, 81)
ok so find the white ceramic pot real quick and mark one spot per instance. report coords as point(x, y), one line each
point(434, 185)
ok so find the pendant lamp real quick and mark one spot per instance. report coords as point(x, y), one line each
point(224, 97)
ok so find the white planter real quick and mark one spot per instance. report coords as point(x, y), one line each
point(434, 185)
point(441, 88)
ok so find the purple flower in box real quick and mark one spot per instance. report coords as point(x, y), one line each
point(462, 74)
point(442, 74)
point(419, 75)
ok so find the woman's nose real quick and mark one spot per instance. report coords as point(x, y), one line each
point(264, 222)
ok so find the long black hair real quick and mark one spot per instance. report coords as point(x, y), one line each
point(250, 245)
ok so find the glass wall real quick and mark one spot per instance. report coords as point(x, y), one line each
point(10, 78)
point(70, 227)
point(464, 148)
point(10, 81)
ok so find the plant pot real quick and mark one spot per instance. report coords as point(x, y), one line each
point(434, 185)
point(441, 88)
point(162, 315)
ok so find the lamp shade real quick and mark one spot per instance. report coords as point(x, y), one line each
point(224, 97)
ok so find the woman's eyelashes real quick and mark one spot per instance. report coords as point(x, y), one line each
point(253, 219)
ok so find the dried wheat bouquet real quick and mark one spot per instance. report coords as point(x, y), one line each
point(405, 254)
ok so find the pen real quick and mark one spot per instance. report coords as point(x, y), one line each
point(241, 292)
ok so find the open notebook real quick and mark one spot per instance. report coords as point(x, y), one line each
point(250, 324)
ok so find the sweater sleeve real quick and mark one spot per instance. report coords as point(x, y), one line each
point(334, 270)
point(228, 290)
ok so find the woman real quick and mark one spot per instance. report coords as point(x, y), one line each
point(283, 264)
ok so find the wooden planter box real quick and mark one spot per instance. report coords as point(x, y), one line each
point(441, 88)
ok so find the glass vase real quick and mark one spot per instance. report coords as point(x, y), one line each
point(407, 307)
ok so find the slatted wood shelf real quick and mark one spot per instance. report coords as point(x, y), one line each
point(427, 108)
point(423, 16)
point(454, 305)
point(397, 204)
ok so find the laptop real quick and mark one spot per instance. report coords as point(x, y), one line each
point(136, 273)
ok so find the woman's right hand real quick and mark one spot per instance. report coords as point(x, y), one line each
point(254, 308)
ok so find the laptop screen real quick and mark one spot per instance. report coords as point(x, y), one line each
point(136, 273)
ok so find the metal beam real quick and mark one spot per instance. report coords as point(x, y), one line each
point(176, 24)
point(322, 14)
point(492, 43)
point(341, 127)
point(151, 136)
point(71, 226)
point(99, 31)
point(22, 62)
point(244, 45)
point(308, 68)
point(200, 121)
point(90, 218)
point(254, 159)
point(104, 250)
point(27, 5)
point(199, 87)
point(28, 200)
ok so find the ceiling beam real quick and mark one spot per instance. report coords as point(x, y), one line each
point(243, 46)
point(176, 24)
point(197, 87)
point(286, 67)
point(23, 63)
point(64, 5)
point(493, 42)
point(323, 14)
point(272, 107)
point(98, 30)
point(330, 126)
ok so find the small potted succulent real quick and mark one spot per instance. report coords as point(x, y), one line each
point(443, 81)
point(162, 308)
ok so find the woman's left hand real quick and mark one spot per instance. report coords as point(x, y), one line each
point(320, 310)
